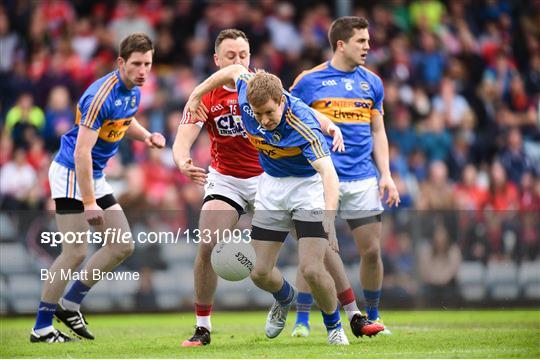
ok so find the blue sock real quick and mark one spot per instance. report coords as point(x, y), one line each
point(303, 306)
point(285, 294)
point(77, 292)
point(332, 321)
point(44, 315)
point(372, 303)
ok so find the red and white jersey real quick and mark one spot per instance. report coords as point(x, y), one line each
point(231, 151)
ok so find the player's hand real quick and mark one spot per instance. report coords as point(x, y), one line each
point(337, 138)
point(155, 140)
point(196, 174)
point(196, 108)
point(386, 184)
point(94, 214)
point(330, 228)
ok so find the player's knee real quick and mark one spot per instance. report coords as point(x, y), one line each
point(371, 254)
point(124, 251)
point(205, 251)
point(259, 275)
point(311, 272)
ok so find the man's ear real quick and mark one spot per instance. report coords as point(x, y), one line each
point(216, 60)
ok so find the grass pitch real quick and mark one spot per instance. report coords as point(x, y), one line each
point(416, 334)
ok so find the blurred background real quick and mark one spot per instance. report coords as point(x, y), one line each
point(462, 102)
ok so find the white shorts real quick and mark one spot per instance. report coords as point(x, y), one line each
point(279, 201)
point(241, 191)
point(359, 199)
point(64, 183)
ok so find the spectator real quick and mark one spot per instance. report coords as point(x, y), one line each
point(468, 194)
point(58, 15)
point(24, 121)
point(284, 35)
point(429, 62)
point(130, 21)
point(418, 164)
point(427, 14)
point(459, 156)
point(18, 188)
point(59, 117)
point(453, 107)
point(439, 261)
point(436, 193)
point(530, 193)
point(435, 140)
point(9, 43)
point(532, 78)
point(519, 109)
point(529, 237)
point(513, 158)
point(85, 41)
point(503, 195)
point(401, 133)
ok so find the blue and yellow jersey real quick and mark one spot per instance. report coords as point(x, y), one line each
point(289, 149)
point(108, 107)
point(349, 99)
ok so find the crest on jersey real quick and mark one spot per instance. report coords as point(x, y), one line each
point(276, 137)
point(133, 101)
point(364, 86)
point(230, 125)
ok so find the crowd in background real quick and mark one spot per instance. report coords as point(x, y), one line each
point(462, 102)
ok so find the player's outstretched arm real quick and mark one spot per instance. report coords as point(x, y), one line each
point(137, 132)
point(216, 80)
point(185, 137)
point(325, 168)
point(86, 139)
point(380, 154)
point(331, 129)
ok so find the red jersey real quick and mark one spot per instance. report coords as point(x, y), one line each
point(231, 151)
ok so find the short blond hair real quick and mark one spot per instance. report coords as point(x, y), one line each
point(263, 87)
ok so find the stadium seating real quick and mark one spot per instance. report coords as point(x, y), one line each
point(9, 230)
point(100, 298)
point(234, 294)
point(123, 293)
point(170, 285)
point(3, 296)
point(502, 280)
point(14, 259)
point(529, 279)
point(471, 280)
point(23, 292)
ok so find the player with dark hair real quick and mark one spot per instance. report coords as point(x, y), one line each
point(352, 97)
point(105, 114)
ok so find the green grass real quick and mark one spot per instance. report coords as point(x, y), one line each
point(416, 334)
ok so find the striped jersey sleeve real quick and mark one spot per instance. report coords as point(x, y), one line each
point(307, 134)
point(93, 105)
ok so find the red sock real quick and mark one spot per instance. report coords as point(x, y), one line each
point(203, 310)
point(346, 297)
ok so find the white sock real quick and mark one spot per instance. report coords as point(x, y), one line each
point(351, 309)
point(44, 331)
point(69, 305)
point(204, 321)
